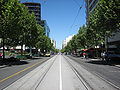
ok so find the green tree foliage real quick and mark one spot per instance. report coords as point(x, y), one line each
point(82, 37)
point(44, 44)
point(74, 43)
point(105, 18)
point(18, 26)
point(8, 19)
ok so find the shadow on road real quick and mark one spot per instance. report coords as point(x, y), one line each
point(9, 62)
point(100, 62)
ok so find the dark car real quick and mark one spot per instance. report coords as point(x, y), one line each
point(110, 56)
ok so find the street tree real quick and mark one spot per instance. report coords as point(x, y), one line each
point(105, 18)
point(44, 44)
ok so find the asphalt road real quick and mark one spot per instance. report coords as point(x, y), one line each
point(13, 71)
point(66, 73)
point(109, 72)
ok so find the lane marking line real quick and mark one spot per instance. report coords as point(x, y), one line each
point(19, 72)
point(60, 73)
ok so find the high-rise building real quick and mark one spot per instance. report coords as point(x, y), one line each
point(65, 42)
point(46, 27)
point(114, 42)
point(35, 8)
point(90, 6)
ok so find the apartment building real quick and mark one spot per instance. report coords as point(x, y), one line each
point(35, 8)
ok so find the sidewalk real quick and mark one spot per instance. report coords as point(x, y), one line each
point(114, 63)
point(2, 66)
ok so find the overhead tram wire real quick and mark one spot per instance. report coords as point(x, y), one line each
point(76, 2)
point(76, 17)
point(78, 12)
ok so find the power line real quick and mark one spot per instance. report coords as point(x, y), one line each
point(76, 2)
point(76, 17)
point(77, 12)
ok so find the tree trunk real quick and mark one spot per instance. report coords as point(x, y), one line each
point(30, 50)
point(21, 49)
point(3, 49)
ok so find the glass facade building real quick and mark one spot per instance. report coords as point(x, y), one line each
point(46, 27)
point(90, 6)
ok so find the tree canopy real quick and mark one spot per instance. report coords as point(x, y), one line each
point(102, 21)
point(19, 27)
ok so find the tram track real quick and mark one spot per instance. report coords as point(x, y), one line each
point(40, 73)
point(44, 74)
point(61, 73)
point(85, 82)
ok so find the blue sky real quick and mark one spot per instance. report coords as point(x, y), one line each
point(60, 16)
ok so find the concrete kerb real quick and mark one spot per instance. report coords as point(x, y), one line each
point(3, 66)
point(117, 66)
point(101, 60)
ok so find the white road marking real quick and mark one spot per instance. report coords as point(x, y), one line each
point(60, 74)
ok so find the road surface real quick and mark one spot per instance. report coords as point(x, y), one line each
point(60, 73)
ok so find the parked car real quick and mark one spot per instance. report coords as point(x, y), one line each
point(110, 56)
point(47, 55)
point(13, 57)
point(28, 56)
